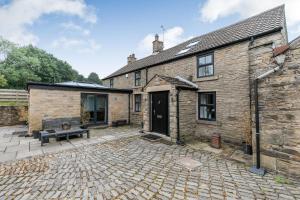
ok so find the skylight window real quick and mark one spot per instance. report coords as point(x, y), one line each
point(192, 44)
point(183, 51)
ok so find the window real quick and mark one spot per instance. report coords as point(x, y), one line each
point(111, 83)
point(137, 78)
point(205, 65)
point(137, 102)
point(207, 106)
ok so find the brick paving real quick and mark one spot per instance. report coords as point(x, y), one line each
point(133, 168)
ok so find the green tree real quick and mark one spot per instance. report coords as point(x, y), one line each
point(28, 63)
point(3, 81)
point(94, 78)
point(5, 47)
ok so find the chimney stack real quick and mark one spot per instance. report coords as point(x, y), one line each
point(131, 58)
point(158, 46)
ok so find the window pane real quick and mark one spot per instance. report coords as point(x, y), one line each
point(203, 112)
point(137, 75)
point(209, 70)
point(211, 113)
point(203, 98)
point(201, 71)
point(208, 59)
point(210, 99)
point(201, 60)
point(138, 102)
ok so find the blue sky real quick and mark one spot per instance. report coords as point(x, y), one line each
point(97, 36)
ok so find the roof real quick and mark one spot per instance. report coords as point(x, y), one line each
point(74, 86)
point(295, 43)
point(177, 81)
point(82, 84)
point(258, 25)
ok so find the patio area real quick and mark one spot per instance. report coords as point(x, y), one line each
point(13, 147)
point(116, 163)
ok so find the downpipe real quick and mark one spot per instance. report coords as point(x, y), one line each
point(257, 169)
point(178, 140)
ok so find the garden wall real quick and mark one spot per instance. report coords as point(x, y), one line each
point(13, 115)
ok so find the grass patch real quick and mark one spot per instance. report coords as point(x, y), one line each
point(282, 180)
point(12, 103)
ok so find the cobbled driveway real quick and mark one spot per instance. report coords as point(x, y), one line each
point(134, 168)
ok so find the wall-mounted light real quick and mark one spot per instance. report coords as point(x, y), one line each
point(126, 75)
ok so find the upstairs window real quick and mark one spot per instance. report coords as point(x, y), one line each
point(137, 78)
point(111, 83)
point(205, 65)
point(207, 106)
point(137, 103)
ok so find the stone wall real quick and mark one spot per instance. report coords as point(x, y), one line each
point(47, 104)
point(117, 107)
point(13, 115)
point(187, 112)
point(279, 105)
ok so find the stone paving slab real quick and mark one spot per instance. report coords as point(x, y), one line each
point(13, 147)
point(7, 156)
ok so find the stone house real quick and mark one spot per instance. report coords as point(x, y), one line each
point(205, 86)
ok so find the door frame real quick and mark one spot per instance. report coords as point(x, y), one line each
point(106, 107)
point(168, 110)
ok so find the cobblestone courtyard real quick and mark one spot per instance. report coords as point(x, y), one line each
point(133, 168)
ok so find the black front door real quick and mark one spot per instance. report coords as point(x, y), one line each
point(159, 112)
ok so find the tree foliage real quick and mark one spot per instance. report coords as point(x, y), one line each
point(94, 78)
point(3, 81)
point(28, 63)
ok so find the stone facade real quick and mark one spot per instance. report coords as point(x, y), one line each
point(279, 106)
point(52, 103)
point(231, 79)
point(13, 115)
point(187, 122)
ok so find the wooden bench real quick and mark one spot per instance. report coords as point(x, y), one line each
point(52, 128)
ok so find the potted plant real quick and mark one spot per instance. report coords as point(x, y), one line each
point(85, 117)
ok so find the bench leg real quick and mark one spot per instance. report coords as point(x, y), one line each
point(81, 135)
point(42, 141)
point(88, 134)
point(68, 137)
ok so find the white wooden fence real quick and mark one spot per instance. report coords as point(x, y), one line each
point(14, 95)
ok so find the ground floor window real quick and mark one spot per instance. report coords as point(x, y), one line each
point(93, 108)
point(207, 106)
point(137, 102)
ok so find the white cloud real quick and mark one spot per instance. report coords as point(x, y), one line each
point(172, 37)
point(74, 27)
point(16, 16)
point(78, 45)
point(216, 9)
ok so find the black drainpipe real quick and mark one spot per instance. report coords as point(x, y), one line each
point(146, 75)
point(178, 141)
point(129, 109)
point(257, 169)
point(257, 125)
